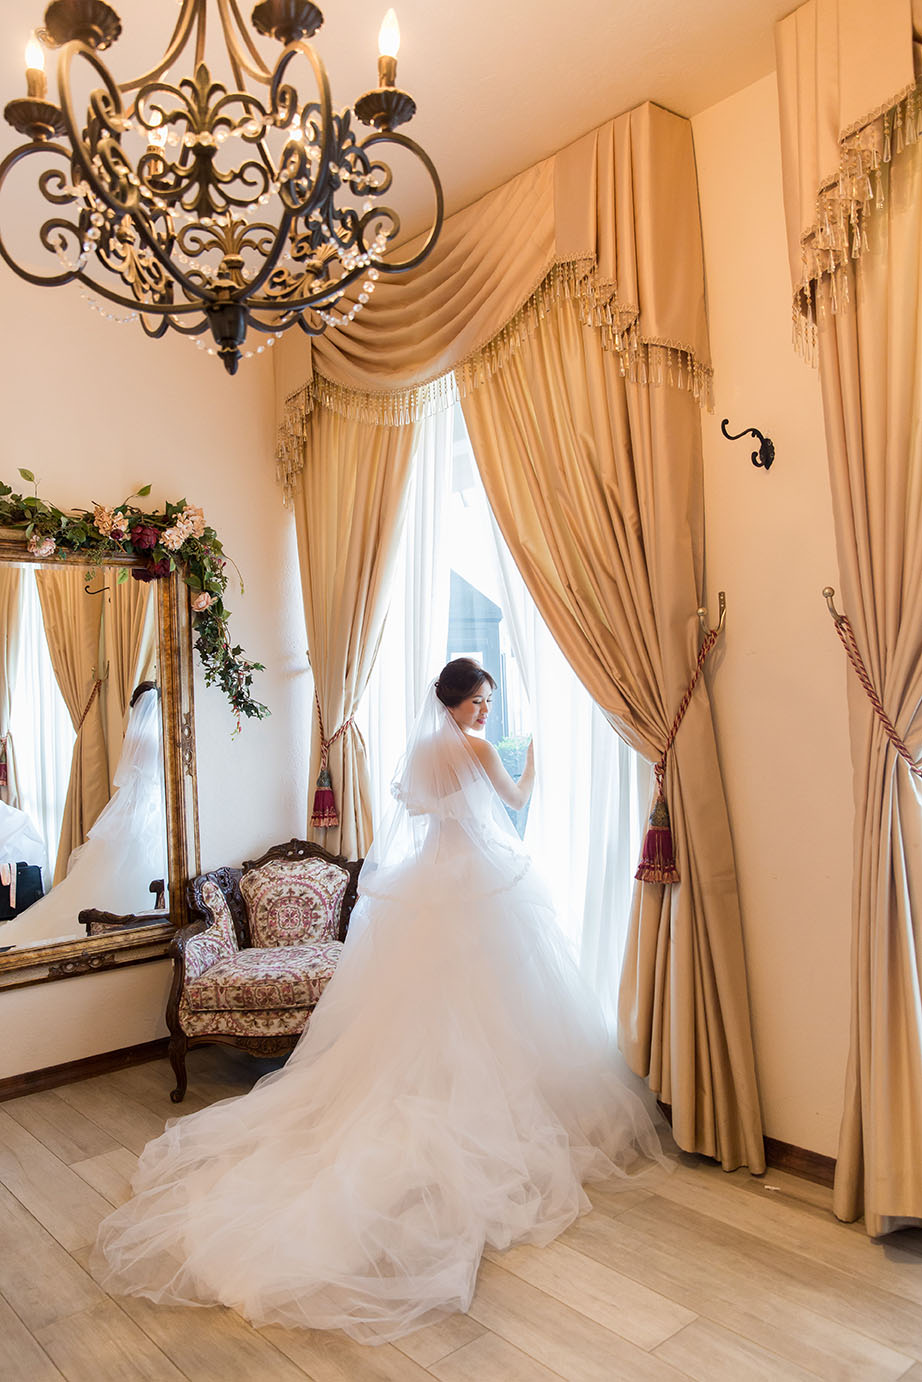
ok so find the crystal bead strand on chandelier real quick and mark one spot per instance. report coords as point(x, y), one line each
point(203, 209)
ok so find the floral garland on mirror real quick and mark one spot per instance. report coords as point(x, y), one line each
point(176, 539)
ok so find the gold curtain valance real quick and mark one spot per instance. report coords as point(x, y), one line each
point(611, 221)
point(848, 102)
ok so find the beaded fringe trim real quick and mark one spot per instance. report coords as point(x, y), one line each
point(839, 233)
point(642, 360)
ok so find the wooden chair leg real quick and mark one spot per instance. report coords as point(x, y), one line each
point(179, 1045)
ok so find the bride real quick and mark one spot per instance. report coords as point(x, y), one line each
point(453, 1090)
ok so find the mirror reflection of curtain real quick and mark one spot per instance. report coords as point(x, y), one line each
point(130, 641)
point(10, 625)
point(72, 621)
point(42, 729)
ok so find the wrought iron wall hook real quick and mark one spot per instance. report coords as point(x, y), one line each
point(766, 452)
point(721, 614)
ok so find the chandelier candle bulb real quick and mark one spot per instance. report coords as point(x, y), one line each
point(388, 48)
point(36, 83)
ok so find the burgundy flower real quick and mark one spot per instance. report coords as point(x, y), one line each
point(144, 537)
point(153, 571)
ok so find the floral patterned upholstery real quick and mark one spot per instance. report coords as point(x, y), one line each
point(217, 942)
point(286, 1022)
point(259, 980)
point(292, 901)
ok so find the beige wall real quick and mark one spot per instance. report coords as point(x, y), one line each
point(96, 410)
point(779, 688)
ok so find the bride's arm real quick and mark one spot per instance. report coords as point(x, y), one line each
point(514, 794)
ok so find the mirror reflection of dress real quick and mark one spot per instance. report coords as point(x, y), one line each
point(125, 849)
point(20, 843)
point(454, 1089)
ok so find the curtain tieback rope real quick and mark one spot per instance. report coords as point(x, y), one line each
point(850, 644)
point(657, 858)
point(97, 683)
point(324, 813)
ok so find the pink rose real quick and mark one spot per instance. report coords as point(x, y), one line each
point(42, 546)
point(202, 601)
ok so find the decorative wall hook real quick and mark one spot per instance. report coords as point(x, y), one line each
point(721, 614)
point(828, 593)
point(766, 452)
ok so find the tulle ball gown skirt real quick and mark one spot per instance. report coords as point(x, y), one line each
point(453, 1091)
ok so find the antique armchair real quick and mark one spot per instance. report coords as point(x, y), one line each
point(265, 940)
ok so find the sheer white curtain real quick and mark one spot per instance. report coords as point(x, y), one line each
point(41, 725)
point(586, 818)
point(412, 648)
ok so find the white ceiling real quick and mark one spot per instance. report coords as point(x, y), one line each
point(499, 84)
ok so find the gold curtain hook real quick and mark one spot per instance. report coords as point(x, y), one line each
point(721, 614)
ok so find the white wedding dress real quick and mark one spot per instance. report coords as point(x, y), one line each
point(453, 1091)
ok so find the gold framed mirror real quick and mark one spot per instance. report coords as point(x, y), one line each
point(98, 799)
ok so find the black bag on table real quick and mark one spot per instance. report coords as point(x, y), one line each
point(28, 889)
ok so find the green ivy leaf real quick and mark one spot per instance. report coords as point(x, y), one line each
point(27, 475)
point(143, 492)
point(123, 574)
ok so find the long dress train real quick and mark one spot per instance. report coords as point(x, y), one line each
point(453, 1091)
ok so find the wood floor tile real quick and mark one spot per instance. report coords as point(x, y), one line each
point(708, 1353)
point(23, 1358)
point(818, 1238)
point(39, 1278)
point(60, 1200)
point(103, 1345)
point(210, 1343)
point(491, 1359)
point(326, 1356)
point(130, 1123)
point(562, 1339)
point(855, 1304)
point(62, 1129)
point(110, 1174)
point(427, 1346)
point(754, 1297)
point(622, 1305)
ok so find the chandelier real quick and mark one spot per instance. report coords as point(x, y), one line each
point(198, 208)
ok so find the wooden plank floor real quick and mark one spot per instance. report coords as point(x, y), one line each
point(696, 1275)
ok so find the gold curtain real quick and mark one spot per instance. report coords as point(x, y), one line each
point(72, 626)
point(602, 243)
point(349, 510)
point(596, 485)
point(10, 620)
point(871, 373)
point(852, 163)
point(129, 639)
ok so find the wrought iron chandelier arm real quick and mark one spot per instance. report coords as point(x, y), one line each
point(12, 158)
point(158, 309)
point(392, 137)
point(177, 43)
point(230, 15)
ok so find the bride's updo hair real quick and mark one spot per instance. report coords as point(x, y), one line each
point(460, 680)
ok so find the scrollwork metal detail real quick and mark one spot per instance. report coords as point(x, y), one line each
point(160, 195)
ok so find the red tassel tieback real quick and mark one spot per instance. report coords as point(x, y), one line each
point(657, 858)
point(324, 814)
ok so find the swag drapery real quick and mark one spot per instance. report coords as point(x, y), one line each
point(568, 306)
point(853, 201)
